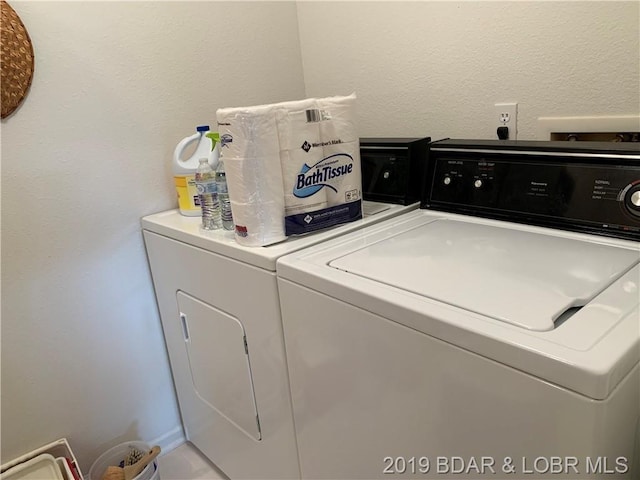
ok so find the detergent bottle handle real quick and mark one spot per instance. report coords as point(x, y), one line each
point(182, 145)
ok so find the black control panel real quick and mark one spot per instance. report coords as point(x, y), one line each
point(592, 187)
point(393, 168)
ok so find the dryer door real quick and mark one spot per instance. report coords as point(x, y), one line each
point(218, 354)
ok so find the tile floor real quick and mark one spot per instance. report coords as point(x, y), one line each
point(187, 463)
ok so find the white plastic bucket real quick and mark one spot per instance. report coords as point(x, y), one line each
point(117, 454)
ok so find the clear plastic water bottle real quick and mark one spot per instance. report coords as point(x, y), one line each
point(208, 195)
point(223, 197)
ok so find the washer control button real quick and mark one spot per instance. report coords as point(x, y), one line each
point(632, 200)
point(447, 180)
point(477, 183)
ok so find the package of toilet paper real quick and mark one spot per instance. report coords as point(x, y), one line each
point(292, 167)
point(251, 153)
point(320, 165)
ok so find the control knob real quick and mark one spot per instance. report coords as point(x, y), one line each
point(632, 200)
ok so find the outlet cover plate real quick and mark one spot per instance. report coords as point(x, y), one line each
point(506, 115)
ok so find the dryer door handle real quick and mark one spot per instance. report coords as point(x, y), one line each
point(185, 327)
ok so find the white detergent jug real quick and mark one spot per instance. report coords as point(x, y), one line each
point(184, 170)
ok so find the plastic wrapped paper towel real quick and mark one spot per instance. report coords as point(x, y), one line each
point(251, 152)
point(292, 167)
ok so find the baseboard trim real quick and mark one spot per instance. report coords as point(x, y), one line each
point(170, 440)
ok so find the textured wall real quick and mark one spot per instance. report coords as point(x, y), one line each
point(116, 86)
point(438, 68)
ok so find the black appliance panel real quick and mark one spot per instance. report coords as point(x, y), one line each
point(597, 194)
point(393, 168)
point(384, 175)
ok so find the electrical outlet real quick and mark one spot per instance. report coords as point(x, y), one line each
point(507, 116)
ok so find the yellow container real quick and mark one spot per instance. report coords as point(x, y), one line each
point(184, 170)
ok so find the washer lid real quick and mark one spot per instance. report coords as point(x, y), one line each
point(522, 278)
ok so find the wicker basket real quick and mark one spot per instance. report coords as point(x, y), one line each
point(16, 62)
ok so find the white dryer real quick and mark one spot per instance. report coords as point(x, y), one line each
point(220, 314)
point(499, 342)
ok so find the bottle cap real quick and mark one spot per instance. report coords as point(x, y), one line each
point(202, 128)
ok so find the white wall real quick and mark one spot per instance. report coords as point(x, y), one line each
point(116, 86)
point(438, 68)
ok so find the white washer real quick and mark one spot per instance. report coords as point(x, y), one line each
point(439, 345)
point(220, 314)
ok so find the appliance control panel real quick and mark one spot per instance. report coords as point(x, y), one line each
point(393, 168)
point(588, 191)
